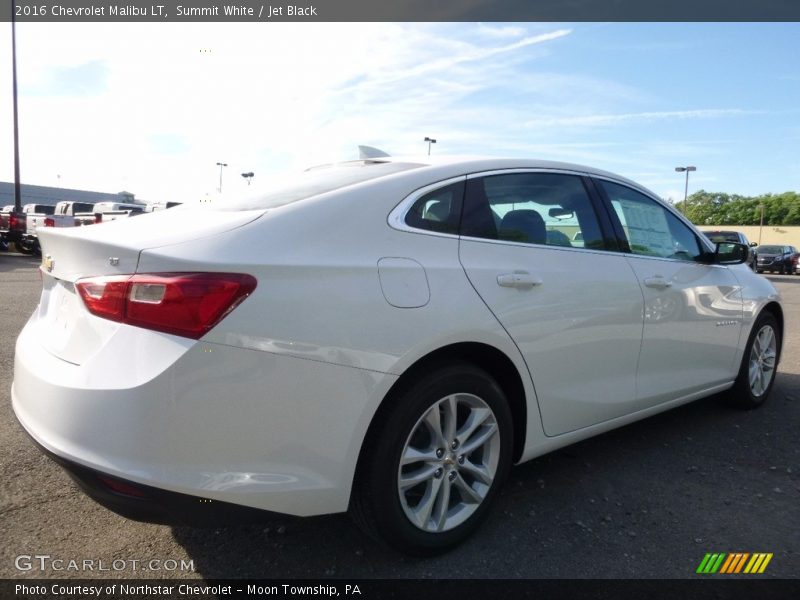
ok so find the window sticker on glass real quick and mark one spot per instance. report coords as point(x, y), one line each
point(647, 228)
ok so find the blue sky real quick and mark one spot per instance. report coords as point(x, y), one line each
point(150, 108)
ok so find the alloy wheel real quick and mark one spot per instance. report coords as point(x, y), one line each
point(449, 462)
point(762, 360)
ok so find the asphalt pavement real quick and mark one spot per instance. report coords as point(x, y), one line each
point(645, 501)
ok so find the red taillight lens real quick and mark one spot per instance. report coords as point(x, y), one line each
point(16, 222)
point(105, 296)
point(49, 222)
point(98, 218)
point(185, 304)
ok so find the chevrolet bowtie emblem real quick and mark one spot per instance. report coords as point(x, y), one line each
point(48, 263)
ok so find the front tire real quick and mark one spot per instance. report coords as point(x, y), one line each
point(759, 364)
point(432, 466)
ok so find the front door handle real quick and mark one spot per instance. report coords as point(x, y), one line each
point(518, 279)
point(657, 282)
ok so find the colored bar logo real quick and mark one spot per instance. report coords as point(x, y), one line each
point(734, 563)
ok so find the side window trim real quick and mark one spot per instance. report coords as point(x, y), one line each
point(608, 225)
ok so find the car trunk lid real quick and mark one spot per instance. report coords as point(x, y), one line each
point(67, 329)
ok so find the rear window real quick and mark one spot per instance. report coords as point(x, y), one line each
point(317, 181)
point(722, 236)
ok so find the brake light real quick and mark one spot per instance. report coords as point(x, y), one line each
point(15, 222)
point(49, 222)
point(98, 218)
point(185, 304)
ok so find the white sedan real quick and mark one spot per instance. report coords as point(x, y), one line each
point(381, 336)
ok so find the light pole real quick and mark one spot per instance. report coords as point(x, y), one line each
point(430, 141)
point(17, 184)
point(761, 223)
point(686, 189)
point(220, 165)
point(248, 176)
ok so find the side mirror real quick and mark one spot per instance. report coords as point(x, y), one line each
point(730, 253)
point(753, 244)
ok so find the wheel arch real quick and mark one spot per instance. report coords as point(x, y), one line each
point(495, 362)
point(774, 308)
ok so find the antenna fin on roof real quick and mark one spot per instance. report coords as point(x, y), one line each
point(365, 152)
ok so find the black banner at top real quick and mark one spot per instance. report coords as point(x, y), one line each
point(397, 10)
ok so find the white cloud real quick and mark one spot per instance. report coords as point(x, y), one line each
point(615, 119)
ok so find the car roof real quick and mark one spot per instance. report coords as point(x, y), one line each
point(454, 164)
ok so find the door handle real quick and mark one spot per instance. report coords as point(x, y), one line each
point(518, 279)
point(657, 282)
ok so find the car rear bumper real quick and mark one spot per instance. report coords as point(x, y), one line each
point(219, 423)
point(153, 505)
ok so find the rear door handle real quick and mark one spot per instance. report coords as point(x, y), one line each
point(518, 279)
point(657, 282)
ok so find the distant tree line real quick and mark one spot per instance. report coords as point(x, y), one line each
point(713, 208)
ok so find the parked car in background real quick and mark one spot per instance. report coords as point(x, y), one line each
point(5, 213)
point(382, 337)
point(796, 254)
point(71, 214)
point(776, 259)
point(105, 212)
point(12, 229)
point(35, 215)
point(735, 236)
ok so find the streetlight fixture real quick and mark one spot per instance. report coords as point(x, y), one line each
point(220, 165)
point(248, 176)
point(686, 189)
point(430, 141)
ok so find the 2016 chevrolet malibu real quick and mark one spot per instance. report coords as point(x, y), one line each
point(380, 336)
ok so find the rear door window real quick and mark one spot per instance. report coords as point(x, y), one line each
point(552, 209)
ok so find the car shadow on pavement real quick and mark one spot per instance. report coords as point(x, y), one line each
point(646, 500)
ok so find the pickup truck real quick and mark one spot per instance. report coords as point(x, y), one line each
point(71, 214)
point(35, 215)
point(110, 211)
point(12, 229)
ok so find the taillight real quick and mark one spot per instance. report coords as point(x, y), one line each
point(98, 218)
point(185, 304)
point(49, 222)
point(16, 222)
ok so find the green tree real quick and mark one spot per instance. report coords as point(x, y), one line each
point(717, 208)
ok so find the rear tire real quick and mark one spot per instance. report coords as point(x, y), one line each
point(433, 464)
point(759, 364)
point(22, 248)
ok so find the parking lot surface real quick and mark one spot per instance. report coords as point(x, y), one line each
point(648, 500)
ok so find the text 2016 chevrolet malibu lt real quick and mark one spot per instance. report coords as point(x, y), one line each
point(382, 336)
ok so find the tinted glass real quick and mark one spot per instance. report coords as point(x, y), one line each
point(438, 210)
point(769, 250)
point(722, 236)
point(651, 229)
point(533, 208)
